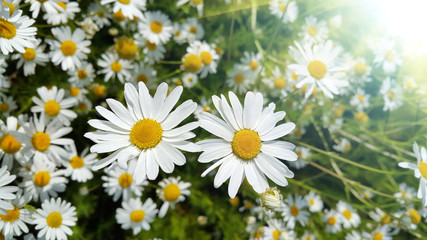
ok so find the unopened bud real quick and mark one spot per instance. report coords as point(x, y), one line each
point(271, 199)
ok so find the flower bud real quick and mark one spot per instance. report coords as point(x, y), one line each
point(271, 199)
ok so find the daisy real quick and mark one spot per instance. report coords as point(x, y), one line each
point(7, 105)
point(54, 219)
point(77, 93)
point(129, 8)
point(99, 14)
point(405, 193)
point(349, 216)
point(198, 4)
point(9, 147)
point(287, 9)
point(315, 203)
point(276, 83)
point(202, 220)
point(15, 31)
point(144, 73)
point(192, 30)
point(302, 153)
point(145, 130)
point(293, 212)
point(360, 100)
point(205, 105)
point(179, 35)
point(135, 215)
point(343, 146)
point(49, 6)
point(420, 171)
point(172, 191)
point(68, 48)
point(156, 27)
point(386, 54)
point(409, 83)
point(314, 31)
point(6, 192)
point(84, 104)
point(392, 95)
point(247, 145)
point(83, 75)
point(43, 180)
point(89, 27)
point(52, 105)
point(207, 55)
point(332, 220)
point(152, 52)
point(360, 71)
point(14, 222)
point(31, 58)
point(274, 229)
point(69, 10)
point(316, 67)
point(79, 166)
point(252, 63)
point(189, 80)
point(309, 236)
point(381, 232)
point(4, 82)
point(114, 67)
point(239, 79)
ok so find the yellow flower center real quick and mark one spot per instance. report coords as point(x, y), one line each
point(63, 5)
point(40, 141)
point(119, 16)
point(142, 78)
point(156, 26)
point(207, 109)
point(253, 65)
point(4, 107)
point(68, 48)
point(52, 108)
point(126, 48)
point(11, 7)
point(246, 144)
point(332, 221)
point(218, 50)
point(294, 210)
point(347, 148)
point(193, 29)
point(54, 220)
point(294, 76)
point(74, 91)
point(239, 78)
point(312, 31)
point(146, 133)
point(179, 82)
point(82, 74)
point(282, 7)
point(41, 178)
point(377, 236)
point(234, 201)
point(390, 95)
point(125, 180)
point(77, 162)
point(137, 216)
point(206, 58)
point(82, 106)
point(311, 202)
point(124, 1)
point(192, 63)
point(99, 90)
point(116, 66)
point(276, 234)
point(299, 154)
point(279, 83)
point(9, 145)
point(415, 217)
point(423, 169)
point(361, 98)
point(197, 2)
point(317, 69)
point(171, 192)
point(361, 116)
point(151, 46)
point(29, 54)
point(7, 29)
point(248, 204)
point(385, 219)
point(389, 55)
point(347, 214)
point(409, 84)
point(360, 68)
point(11, 216)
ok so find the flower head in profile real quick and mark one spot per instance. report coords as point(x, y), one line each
point(247, 146)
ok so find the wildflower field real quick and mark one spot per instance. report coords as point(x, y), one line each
point(213, 119)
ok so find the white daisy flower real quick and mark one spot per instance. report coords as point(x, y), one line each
point(99, 14)
point(9, 147)
point(360, 100)
point(179, 35)
point(79, 166)
point(189, 80)
point(274, 230)
point(77, 93)
point(332, 220)
point(380, 217)
point(129, 8)
point(172, 191)
point(68, 12)
point(405, 193)
point(152, 52)
point(252, 63)
point(409, 83)
point(314, 31)
point(302, 153)
point(198, 4)
point(343, 146)
point(386, 54)
point(192, 30)
point(15, 31)
point(156, 27)
point(89, 27)
point(247, 145)
point(144, 73)
point(43, 180)
point(314, 201)
point(49, 6)
point(360, 70)
point(4, 82)
point(6, 192)
point(69, 48)
point(145, 130)
point(84, 104)
point(349, 216)
point(392, 95)
point(31, 58)
point(7, 105)
point(276, 83)
point(14, 222)
point(308, 236)
point(52, 105)
point(209, 59)
point(114, 67)
point(293, 212)
point(54, 219)
point(239, 79)
point(286, 7)
point(135, 215)
point(83, 75)
point(316, 67)
point(381, 232)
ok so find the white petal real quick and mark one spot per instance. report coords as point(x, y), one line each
point(278, 131)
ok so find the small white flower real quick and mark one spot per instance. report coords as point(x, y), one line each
point(135, 215)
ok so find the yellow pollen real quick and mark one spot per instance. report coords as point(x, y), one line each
point(294, 76)
point(124, 1)
point(29, 54)
point(142, 78)
point(257, 235)
point(193, 29)
point(179, 82)
point(11, 216)
point(99, 90)
point(151, 46)
point(4, 107)
point(41, 178)
point(332, 221)
point(311, 202)
point(197, 2)
point(360, 68)
point(361, 116)
point(40, 141)
point(52, 108)
point(299, 154)
point(423, 169)
point(11, 7)
point(177, 33)
point(317, 69)
point(206, 58)
point(192, 63)
point(390, 95)
point(347, 214)
point(119, 16)
point(74, 91)
point(126, 48)
point(68, 48)
point(282, 7)
point(239, 78)
point(54, 220)
point(279, 83)
point(62, 4)
point(385, 219)
point(246, 144)
point(248, 204)
point(137, 216)
point(347, 148)
point(146, 133)
point(234, 201)
point(312, 31)
point(294, 211)
point(77, 162)
point(207, 109)
point(7, 29)
point(125, 180)
point(361, 98)
point(276, 234)
point(253, 65)
point(389, 55)
point(82, 106)
point(156, 26)
point(377, 236)
point(9, 145)
point(218, 50)
point(171, 192)
point(415, 217)
point(82, 74)
point(116, 66)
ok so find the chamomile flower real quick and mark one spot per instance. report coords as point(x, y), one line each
point(315, 203)
point(114, 67)
point(420, 171)
point(84, 104)
point(303, 153)
point(333, 221)
point(54, 219)
point(129, 8)
point(381, 232)
point(145, 130)
point(239, 79)
point(247, 145)
point(156, 27)
point(205, 105)
point(6, 192)
point(9, 147)
point(192, 30)
point(343, 146)
point(198, 4)
point(277, 83)
point(209, 59)
point(14, 222)
point(189, 80)
point(52, 105)
point(77, 92)
point(360, 70)
point(152, 52)
point(89, 27)
point(15, 31)
point(405, 193)
point(69, 10)
point(252, 63)
point(135, 215)
point(274, 229)
point(83, 75)
point(293, 211)
point(48, 6)
point(392, 95)
point(287, 9)
point(316, 67)
point(7, 105)
point(349, 216)
point(360, 100)
point(409, 83)
point(31, 58)
point(387, 56)
point(314, 31)
point(69, 48)
point(172, 191)
point(144, 73)
point(179, 35)
point(99, 14)
point(79, 165)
